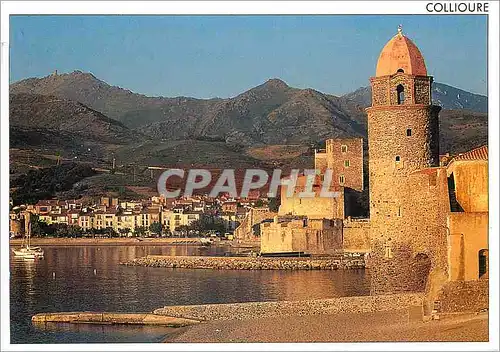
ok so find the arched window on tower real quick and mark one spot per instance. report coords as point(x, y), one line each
point(400, 70)
point(401, 94)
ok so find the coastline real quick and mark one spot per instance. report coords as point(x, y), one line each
point(113, 241)
point(388, 318)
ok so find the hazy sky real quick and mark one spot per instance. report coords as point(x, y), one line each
point(222, 56)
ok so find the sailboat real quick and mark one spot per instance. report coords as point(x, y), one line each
point(27, 251)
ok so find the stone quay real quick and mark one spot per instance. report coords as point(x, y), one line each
point(250, 263)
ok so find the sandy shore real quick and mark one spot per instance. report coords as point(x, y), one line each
point(354, 327)
point(109, 241)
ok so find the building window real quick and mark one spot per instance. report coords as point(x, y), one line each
point(399, 211)
point(408, 132)
point(432, 180)
point(483, 263)
point(388, 251)
point(400, 70)
point(347, 163)
point(343, 148)
point(398, 158)
point(341, 179)
point(401, 94)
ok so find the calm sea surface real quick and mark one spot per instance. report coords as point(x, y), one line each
point(65, 281)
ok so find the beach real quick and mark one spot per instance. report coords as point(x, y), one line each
point(382, 326)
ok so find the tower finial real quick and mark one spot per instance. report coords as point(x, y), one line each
point(400, 29)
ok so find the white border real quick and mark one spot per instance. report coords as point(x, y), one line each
point(249, 7)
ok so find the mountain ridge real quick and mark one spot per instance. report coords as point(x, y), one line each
point(271, 113)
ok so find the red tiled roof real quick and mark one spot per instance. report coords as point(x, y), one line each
point(480, 153)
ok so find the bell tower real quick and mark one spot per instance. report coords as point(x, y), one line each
point(403, 137)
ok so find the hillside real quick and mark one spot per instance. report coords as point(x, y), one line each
point(462, 130)
point(63, 116)
point(45, 183)
point(115, 102)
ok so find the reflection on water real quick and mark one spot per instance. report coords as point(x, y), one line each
point(91, 279)
point(96, 333)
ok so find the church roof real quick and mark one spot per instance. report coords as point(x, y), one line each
point(480, 153)
point(400, 53)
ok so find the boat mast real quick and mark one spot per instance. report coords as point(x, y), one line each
point(27, 227)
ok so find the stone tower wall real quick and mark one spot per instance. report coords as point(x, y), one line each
point(409, 252)
point(408, 195)
point(387, 131)
point(336, 161)
point(320, 162)
point(417, 89)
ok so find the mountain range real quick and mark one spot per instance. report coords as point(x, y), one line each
point(81, 117)
point(272, 113)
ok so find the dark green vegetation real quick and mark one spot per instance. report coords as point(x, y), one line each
point(42, 229)
point(44, 183)
point(76, 117)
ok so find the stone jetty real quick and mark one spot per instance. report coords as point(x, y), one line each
point(411, 302)
point(248, 263)
point(111, 318)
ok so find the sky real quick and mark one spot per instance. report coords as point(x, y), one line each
point(223, 56)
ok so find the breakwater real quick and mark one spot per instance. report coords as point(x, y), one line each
point(248, 263)
point(411, 302)
point(111, 318)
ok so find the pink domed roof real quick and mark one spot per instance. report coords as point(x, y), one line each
point(400, 53)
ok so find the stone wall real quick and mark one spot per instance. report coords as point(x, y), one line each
point(471, 184)
point(423, 90)
point(245, 231)
point(314, 207)
point(320, 162)
point(464, 296)
point(314, 236)
point(249, 263)
point(417, 89)
point(345, 158)
point(394, 155)
point(407, 206)
point(251, 310)
point(356, 236)
point(409, 249)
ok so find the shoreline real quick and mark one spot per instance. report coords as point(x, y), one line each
point(193, 241)
point(395, 317)
point(379, 326)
